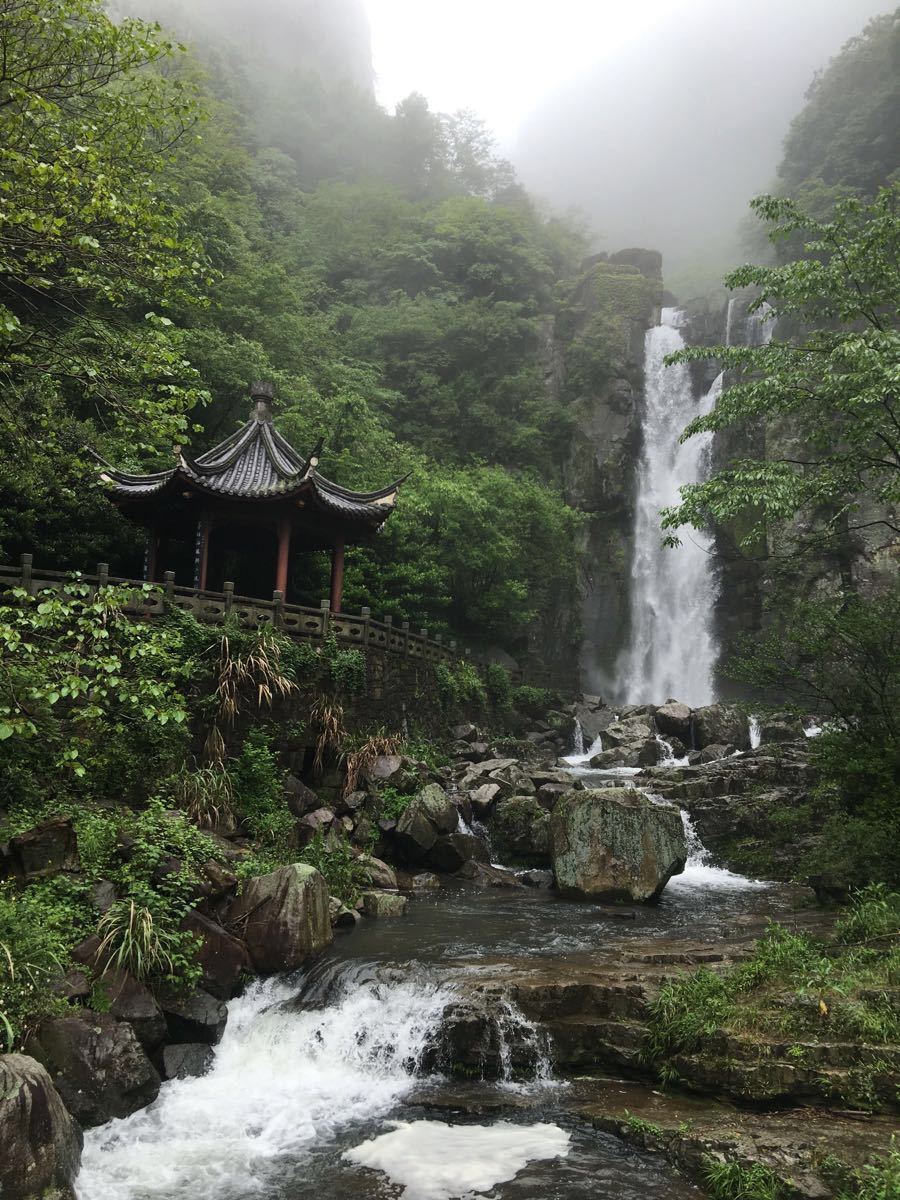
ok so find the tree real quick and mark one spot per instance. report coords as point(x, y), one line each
point(92, 250)
point(830, 377)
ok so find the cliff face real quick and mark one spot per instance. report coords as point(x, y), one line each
point(597, 368)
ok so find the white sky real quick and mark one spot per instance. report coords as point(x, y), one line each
point(498, 57)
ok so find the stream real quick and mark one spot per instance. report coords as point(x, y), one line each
point(320, 1086)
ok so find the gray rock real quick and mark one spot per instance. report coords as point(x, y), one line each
point(713, 753)
point(536, 878)
point(614, 843)
point(464, 733)
point(429, 814)
point(222, 957)
point(781, 727)
point(283, 917)
point(187, 1060)
point(377, 873)
point(40, 1140)
point(300, 798)
point(721, 725)
point(97, 1064)
point(102, 895)
point(453, 849)
point(46, 850)
point(196, 1017)
point(520, 831)
point(628, 732)
point(489, 875)
point(674, 720)
point(513, 781)
point(383, 904)
point(483, 798)
point(131, 1001)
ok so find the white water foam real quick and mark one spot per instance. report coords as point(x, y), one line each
point(579, 757)
point(672, 650)
point(700, 875)
point(432, 1160)
point(282, 1079)
point(755, 735)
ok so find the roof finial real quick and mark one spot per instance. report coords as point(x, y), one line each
point(263, 394)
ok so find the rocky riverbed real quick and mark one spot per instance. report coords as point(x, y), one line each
point(546, 899)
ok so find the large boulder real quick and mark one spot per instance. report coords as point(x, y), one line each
point(482, 799)
point(520, 831)
point(513, 781)
point(97, 1064)
point(633, 730)
point(131, 1001)
point(781, 727)
point(674, 720)
point(223, 959)
point(41, 1143)
point(452, 850)
point(614, 844)
point(195, 1017)
point(283, 917)
point(721, 725)
point(430, 813)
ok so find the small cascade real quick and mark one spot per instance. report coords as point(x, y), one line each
point(671, 650)
point(299, 1060)
point(669, 758)
point(755, 735)
point(581, 757)
point(578, 740)
point(700, 875)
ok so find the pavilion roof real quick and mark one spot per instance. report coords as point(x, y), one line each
point(255, 464)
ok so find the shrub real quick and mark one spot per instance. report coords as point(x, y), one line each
point(498, 686)
point(258, 799)
point(737, 1181)
point(333, 856)
point(137, 941)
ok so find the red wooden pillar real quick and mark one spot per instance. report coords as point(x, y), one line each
point(284, 551)
point(205, 530)
point(337, 573)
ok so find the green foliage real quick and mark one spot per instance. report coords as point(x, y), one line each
point(258, 798)
point(846, 135)
point(35, 936)
point(841, 658)
point(91, 233)
point(333, 857)
point(132, 940)
point(392, 803)
point(639, 1127)
point(460, 686)
point(76, 671)
point(733, 1180)
point(346, 669)
point(830, 376)
point(879, 1179)
point(498, 686)
point(792, 985)
point(532, 700)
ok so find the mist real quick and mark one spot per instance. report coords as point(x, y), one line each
point(663, 143)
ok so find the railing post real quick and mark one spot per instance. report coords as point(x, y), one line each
point(228, 592)
point(325, 606)
point(102, 575)
point(27, 572)
point(366, 614)
point(169, 585)
point(389, 636)
point(277, 608)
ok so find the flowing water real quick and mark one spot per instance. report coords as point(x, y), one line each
point(672, 648)
point(313, 1089)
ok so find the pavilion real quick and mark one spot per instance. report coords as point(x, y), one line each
point(246, 506)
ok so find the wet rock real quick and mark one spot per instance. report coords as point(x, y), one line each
point(129, 1000)
point(283, 917)
point(196, 1017)
point(651, 753)
point(216, 880)
point(674, 720)
point(383, 904)
point(464, 733)
point(421, 881)
point(97, 1064)
point(536, 878)
point(385, 767)
point(781, 727)
point(483, 799)
point(634, 730)
point(489, 875)
point(46, 850)
point(102, 895)
point(549, 793)
point(513, 781)
point(377, 873)
point(223, 958)
point(713, 753)
point(72, 986)
point(616, 756)
point(613, 843)
point(300, 798)
point(520, 831)
point(41, 1143)
point(187, 1060)
point(429, 814)
point(452, 850)
point(721, 724)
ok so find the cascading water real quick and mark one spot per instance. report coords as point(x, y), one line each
point(699, 875)
point(672, 648)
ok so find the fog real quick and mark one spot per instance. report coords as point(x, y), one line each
point(664, 142)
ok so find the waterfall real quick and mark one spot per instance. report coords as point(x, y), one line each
point(700, 875)
point(672, 649)
point(755, 735)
